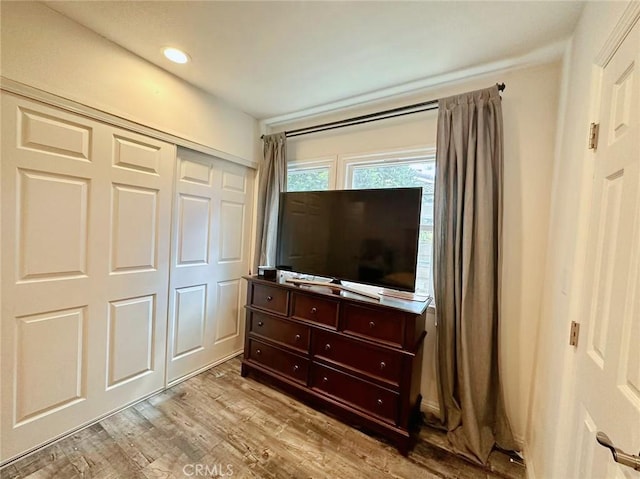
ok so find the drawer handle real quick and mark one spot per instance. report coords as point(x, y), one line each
point(297, 338)
point(295, 368)
point(372, 324)
point(327, 347)
point(382, 365)
point(260, 323)
point(379, 402)
point(258, 351)
point(314, 310)
point(269, 298)
point(325, 379)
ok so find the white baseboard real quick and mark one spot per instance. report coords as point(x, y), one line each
point(204, 368)
point(430, 406)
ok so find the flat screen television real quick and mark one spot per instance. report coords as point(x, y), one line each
point(365, 236)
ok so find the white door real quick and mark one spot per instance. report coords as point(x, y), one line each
point(210, 253)
point(608, 362)
point(84, 252)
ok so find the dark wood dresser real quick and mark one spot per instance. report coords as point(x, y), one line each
point(357, 358)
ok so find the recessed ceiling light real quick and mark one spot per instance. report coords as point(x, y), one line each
point(175, 55)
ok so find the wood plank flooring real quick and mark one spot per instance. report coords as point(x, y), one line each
point(218, 424)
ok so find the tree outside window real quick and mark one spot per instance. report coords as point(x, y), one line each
point(308, 179)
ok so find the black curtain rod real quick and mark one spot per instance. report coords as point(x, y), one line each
point(380, 115)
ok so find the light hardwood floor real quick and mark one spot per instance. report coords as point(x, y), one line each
point(218, 424)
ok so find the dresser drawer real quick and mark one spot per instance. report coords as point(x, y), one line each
point(378, 362)
point(269, 298)
point(377, 324)
point(285, 363)
point(288, 333)
point(314, 308)
point(355, 392)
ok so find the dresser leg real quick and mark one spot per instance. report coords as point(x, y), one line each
point(416, 420)
point(404, 446)
point(243, 371)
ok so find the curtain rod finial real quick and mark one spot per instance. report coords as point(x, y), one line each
point(501, 86)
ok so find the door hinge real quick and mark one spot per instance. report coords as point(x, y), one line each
point(594, 129)
point(575, 332)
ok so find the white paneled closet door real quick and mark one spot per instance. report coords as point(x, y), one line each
point(85, 217)
point(210, 253)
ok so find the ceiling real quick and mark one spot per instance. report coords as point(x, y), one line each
point(271, 59)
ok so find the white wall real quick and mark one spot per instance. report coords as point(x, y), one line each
point(46, 50)
point(529, 111)
point(549, 449)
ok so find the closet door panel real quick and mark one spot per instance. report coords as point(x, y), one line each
point(53, 134)
point(210, 234)
point(134, 236)
point(131, 325)
point(190, 320)
point(190, 296)
point(52, 242)
point(193, 226)
point(231, 255)
point(228, 323)
point(56, 368)
point(140, 174)
point(82, 328)
point(49, 311)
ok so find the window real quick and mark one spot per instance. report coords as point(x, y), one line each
point(379, 170)
point(398, 173)
point(312, 175)
point(308, 179)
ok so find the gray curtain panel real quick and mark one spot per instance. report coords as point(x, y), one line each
point(272, 181)
point(467, 264)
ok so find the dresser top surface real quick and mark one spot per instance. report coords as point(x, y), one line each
point(414, 307)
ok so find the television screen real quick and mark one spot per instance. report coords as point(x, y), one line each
point(365, 236)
